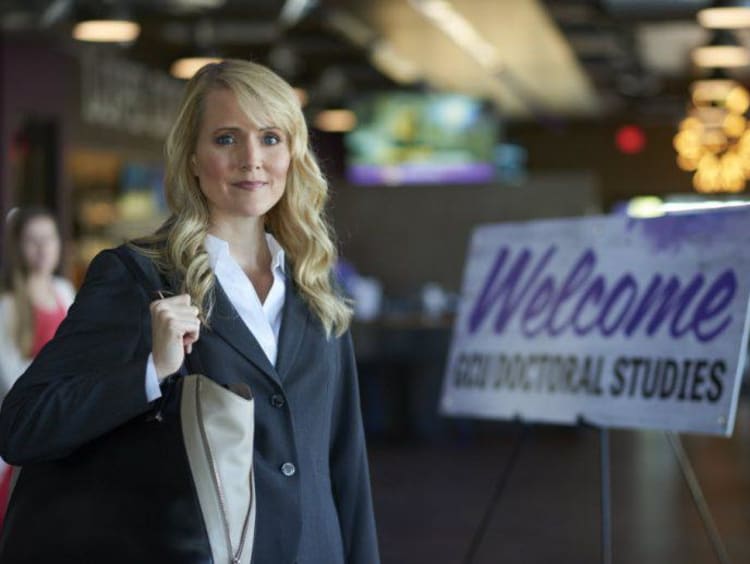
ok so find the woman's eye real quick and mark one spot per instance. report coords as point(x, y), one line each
point(271, 139)
point(224, 140)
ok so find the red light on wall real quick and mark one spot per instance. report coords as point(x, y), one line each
point(630, 139)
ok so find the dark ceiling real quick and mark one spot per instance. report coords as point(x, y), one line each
point(604, 35)
point(307, 53)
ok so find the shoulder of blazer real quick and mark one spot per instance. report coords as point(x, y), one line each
point(147, 266)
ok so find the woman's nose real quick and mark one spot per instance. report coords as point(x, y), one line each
point(252, 156)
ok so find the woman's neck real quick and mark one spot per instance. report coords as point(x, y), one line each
point(247, 244)
point(39, 280)
point(41, 289)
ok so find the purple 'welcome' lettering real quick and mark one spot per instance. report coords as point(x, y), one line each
point(494, 290)
point(586, 302)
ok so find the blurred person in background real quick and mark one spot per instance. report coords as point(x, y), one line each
point(33, 303)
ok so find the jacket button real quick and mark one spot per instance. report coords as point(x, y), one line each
point(277, 400)
point(288, 469)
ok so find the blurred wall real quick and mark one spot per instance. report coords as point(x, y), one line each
point(35, 80)
point(409, 235)
point(591, 146)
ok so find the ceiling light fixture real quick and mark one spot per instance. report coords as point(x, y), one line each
point(335, 121)
point(709, 90)
point(105, 23)
point(732, 14)
point(293, 11)
point(713, 141)
point(445, 17)
point(382, 54)
point(393, 65)
point(202, 52)
point(722, 52)
point(107, 31)
point(344, 23)
point(186, 67)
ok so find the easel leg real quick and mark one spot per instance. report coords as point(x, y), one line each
point(499, 488)
point(606, 490)
point(698, 498)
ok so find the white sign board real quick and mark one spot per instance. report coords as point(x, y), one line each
point(617, 321)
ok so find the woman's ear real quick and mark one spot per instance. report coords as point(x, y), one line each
point(193, 165)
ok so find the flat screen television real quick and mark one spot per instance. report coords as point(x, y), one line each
point(418, 138)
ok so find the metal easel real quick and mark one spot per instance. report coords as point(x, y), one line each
point(696, 492)
point(502, 481)
point(686, 467)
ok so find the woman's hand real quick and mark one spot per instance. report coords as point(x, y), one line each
point(174, 328)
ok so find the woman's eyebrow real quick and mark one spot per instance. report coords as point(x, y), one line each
point(227, 128)
point(233, 128)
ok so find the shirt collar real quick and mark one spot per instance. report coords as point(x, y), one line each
point(218, 249)
point(277, 253)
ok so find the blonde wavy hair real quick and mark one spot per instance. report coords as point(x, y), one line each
point(297, 221)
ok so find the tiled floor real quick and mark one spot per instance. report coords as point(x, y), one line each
point(430, 496)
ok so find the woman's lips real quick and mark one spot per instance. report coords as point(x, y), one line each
point(250, 184)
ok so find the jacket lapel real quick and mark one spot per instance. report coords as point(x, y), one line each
point(294, 321)
point(227, 323)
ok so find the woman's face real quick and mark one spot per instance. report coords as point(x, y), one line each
point(241, 166)
point(40, 245)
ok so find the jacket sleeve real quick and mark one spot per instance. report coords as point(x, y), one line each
point(349, 467)
point(89, 378)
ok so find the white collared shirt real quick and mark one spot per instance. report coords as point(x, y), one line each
point(262, 319)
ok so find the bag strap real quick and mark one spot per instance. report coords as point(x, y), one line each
point(137, 272)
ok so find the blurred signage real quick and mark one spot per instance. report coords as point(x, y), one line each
point(127, 96)
point(421, 138)
point(620, 322)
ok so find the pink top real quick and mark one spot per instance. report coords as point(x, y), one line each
point(46, 322)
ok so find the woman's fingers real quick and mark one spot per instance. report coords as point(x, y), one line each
point(175, 328)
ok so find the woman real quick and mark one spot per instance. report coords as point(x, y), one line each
point(34, 300)
point(33, 303)
point(248, 256)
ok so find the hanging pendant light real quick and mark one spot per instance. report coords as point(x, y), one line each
point(724, 51)
point(106, 25)
point(713, 141)
point(107, 31)
point(201, 53)
point(706, 91)
point(730, 14)
point(185, 67)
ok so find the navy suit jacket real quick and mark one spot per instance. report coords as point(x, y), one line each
point(90, 379)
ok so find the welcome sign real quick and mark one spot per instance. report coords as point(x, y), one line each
point(622, 322)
